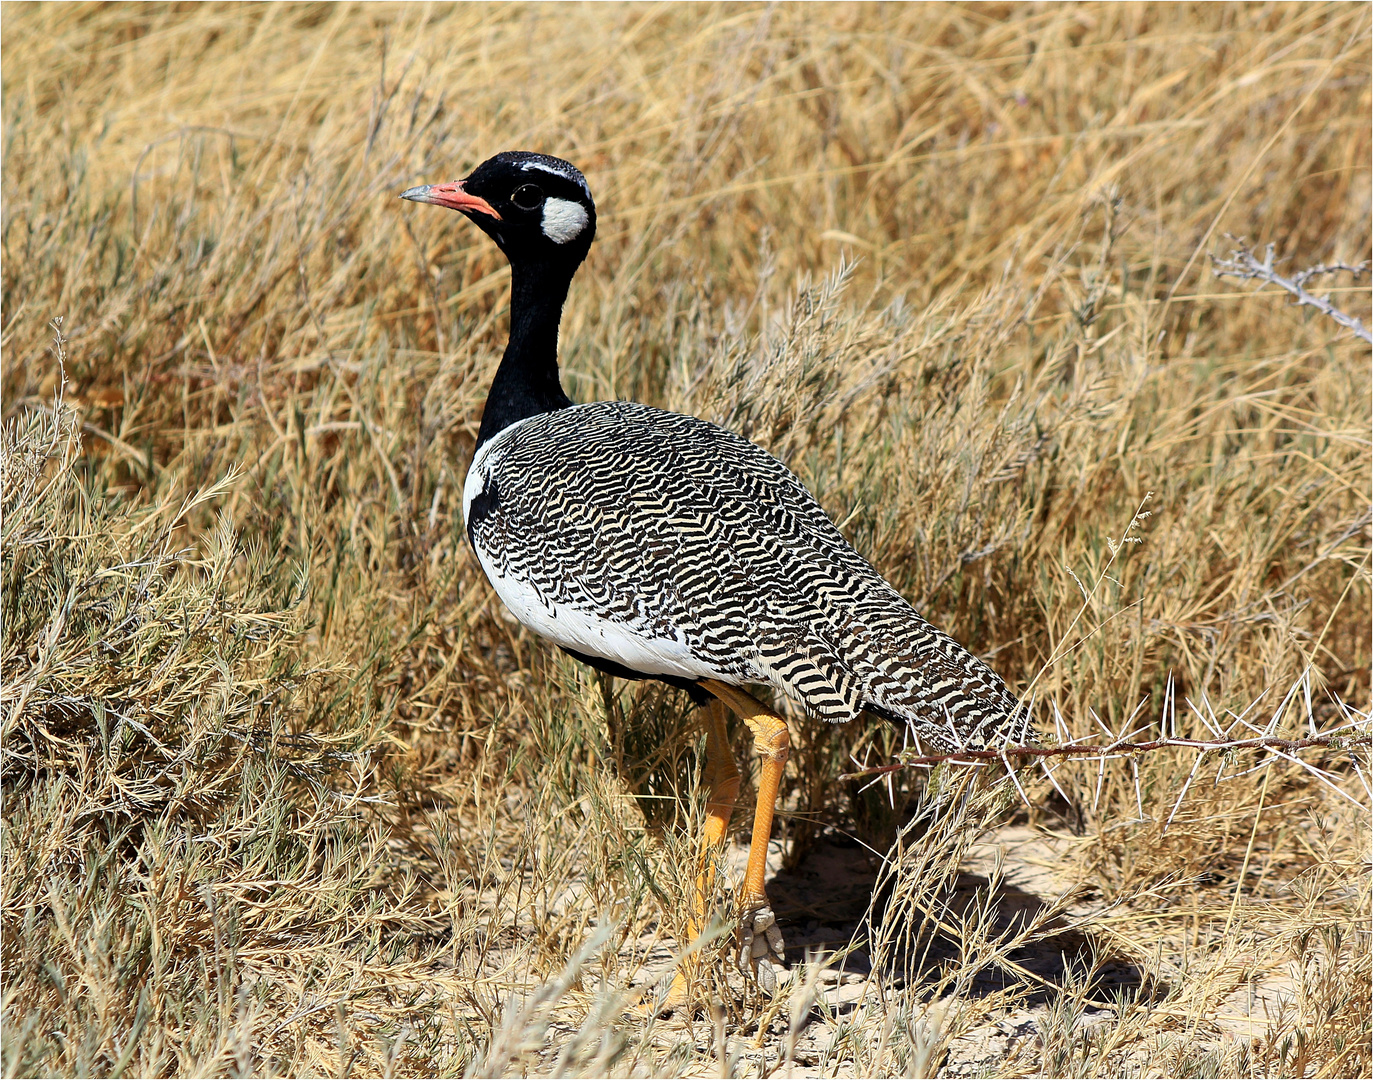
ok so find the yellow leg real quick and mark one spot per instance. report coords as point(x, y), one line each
point(722, 793)
point(760, 944)
point(722, 776)
point(760, 940)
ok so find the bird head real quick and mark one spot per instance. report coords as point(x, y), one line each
point(536, 207)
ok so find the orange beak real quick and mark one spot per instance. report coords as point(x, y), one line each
point(452, 196)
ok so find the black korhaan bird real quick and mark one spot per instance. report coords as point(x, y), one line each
point(654, 545)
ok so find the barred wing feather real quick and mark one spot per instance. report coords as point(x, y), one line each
point(671, 546)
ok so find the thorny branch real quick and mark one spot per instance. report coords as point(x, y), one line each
point(1239, 734)
point(1243, 264)
point(1335, 740)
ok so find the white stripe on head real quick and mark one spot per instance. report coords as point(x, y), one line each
point(563, 220)
point(567, 173)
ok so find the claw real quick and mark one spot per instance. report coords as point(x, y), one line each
point(760, 947)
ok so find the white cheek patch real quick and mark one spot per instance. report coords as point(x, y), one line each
point(563, 219)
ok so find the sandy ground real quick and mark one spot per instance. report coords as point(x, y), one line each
point(823, 907)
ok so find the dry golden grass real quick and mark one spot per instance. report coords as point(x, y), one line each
point(285, 792)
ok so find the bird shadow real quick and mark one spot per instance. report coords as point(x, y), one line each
point(826, 905)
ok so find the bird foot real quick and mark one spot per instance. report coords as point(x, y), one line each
point(760, 946)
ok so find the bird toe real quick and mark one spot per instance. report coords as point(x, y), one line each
point(761, 951)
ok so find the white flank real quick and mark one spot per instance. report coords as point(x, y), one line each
point(563, 220)
point(591, 635)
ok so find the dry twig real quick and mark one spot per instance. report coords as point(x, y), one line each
point(1244, 265)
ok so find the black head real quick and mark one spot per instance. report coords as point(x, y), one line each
point(537, 208)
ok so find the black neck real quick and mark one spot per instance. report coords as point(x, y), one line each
point(526, 383)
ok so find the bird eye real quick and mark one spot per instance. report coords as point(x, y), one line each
point(527, 197)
